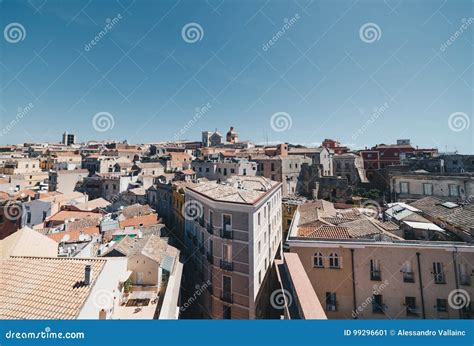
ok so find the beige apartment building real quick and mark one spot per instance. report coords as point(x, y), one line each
point(232, 239)
point(384, 277)
point(412, 186)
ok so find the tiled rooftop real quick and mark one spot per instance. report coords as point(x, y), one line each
point(239, 189)
point(44, 288)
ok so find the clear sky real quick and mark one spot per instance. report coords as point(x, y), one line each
point(329, 66)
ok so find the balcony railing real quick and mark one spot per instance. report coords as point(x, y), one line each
point(227, 297)
point(229, 266)
point(465, 279)
point(227, 233)
point(375, 275)
point(210, 258)
point(408, 277)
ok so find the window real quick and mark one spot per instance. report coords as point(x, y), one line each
point(259, 247)
point(333, 260)
point(28, 218)
point(331, 302)
point(410, 304)
point(377, 304)
point(427, 189)
point(207, 170)
point(375, 272)
point(453, 190)
point(438, 273)
point(441, 305)
point(227, 313)
point(408, 275)
point(227, 253)
point(232, 170)
point(318, 260)
point(404, 187)
point(259, 277)
point(227, 222)
point(258, 218)
point(272, 167)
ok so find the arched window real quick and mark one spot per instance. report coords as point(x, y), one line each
point(318, 260)
point(333, 260)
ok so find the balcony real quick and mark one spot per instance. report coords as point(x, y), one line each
point(227, 233)
point(408, 277)
point(227, 297)
point(210, 258)
point(229, 266)
point(375, 275)
point(210, 228)
point(413, 311)
point(465, 279)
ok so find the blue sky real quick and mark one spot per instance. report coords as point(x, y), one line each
point(321, 71)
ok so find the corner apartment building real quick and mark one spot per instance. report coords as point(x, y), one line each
point(233, 243)
point(385, 278)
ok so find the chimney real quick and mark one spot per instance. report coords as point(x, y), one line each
point(88, 274)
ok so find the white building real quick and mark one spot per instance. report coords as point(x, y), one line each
point(238, 233)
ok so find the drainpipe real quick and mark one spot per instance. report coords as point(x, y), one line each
point(353, 284)
point(421, 286)
point(456, 279)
